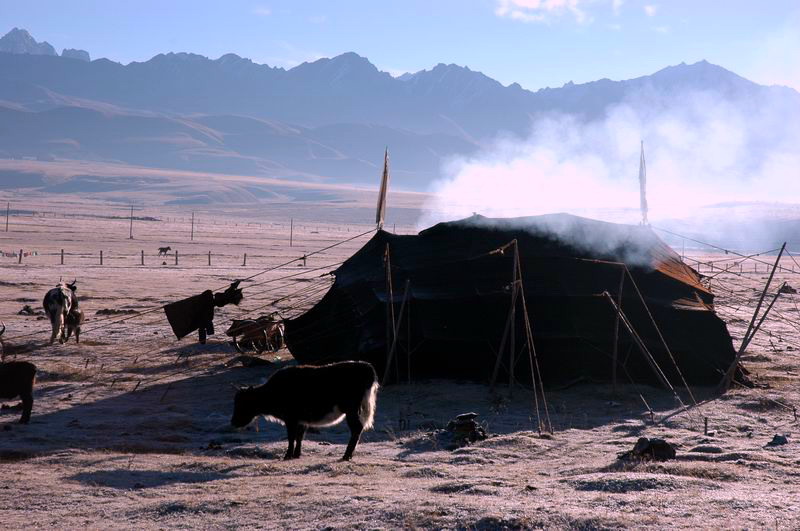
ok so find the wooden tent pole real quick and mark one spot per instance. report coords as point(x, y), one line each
point(615, 352)
point(763, 317)
point(508, 319)
point(390, 324)
point(533, 360)
point(396, 334)
point(512, 351)
point(640, 343)
point(731, 372)
point(505, 335)
point(660, 335)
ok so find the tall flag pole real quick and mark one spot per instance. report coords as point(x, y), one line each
point(643, 187)
point(380, 214)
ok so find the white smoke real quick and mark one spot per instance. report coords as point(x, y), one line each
point(701, 149)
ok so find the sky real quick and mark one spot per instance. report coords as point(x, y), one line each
point(537, 43)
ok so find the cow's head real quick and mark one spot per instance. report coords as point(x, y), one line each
point(245, 407)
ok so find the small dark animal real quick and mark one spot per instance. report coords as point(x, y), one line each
point(306, 396)
point(17, 379)
point(162, 251)
point(58, 302)
point(74, 322)
point(263, 333)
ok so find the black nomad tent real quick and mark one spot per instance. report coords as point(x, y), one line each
point(456, 283)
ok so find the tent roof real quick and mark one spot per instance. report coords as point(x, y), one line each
point(547, 237)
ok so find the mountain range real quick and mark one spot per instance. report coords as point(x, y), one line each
point(327, 120)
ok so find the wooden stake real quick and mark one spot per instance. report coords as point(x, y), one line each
point(101, 257)
point(244, 262)
point(176, 257)
point(131, 231)
point(142, 256)
point(192, 235)
point(169, 386)
point(20, 257)
point(8, 211)
point(62, 256)
point(652, 415)
point(291, 231)
point(209, 257)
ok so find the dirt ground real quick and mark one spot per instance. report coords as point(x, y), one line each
point(130, 428)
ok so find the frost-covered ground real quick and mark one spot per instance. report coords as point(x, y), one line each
point(130, 428)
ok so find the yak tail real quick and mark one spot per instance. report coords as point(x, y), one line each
point(366, 411)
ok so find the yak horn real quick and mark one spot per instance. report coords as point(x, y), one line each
point(4, 328)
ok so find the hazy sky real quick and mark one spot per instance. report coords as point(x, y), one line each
point(537, 43)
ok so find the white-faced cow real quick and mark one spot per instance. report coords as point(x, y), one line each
point(58, 302)
point(304, 396)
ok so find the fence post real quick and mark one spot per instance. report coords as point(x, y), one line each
point(291, 230)
point(101, 257)
point(142, 256)
point(176, 257)
point(209, 257)
point(20, 257)
point(62, 256)
point(244, 263)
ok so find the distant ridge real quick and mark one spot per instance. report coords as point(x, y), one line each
point(327, 119)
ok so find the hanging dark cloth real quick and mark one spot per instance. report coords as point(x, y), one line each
point(197, 312)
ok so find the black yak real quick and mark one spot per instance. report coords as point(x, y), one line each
point(304, 396)
point(17, 379)
point(74, 322)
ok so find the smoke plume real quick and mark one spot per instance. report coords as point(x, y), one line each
point(702, 148)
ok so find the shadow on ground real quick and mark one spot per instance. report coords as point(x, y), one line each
point(143, 479)
point(192, 415)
